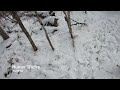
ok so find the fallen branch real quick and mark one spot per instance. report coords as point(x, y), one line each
point(84, 24)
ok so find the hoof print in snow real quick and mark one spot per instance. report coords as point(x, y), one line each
point(10, 61)
point(40, 28)
point(98, 52)
point(50, 64)
point(95, 46)
point(96, 59)
point(5, 74)
point(8, 72)
point(57, 57)
point(20, 43)
point(17, 60)
point(118, 66)
point(18, 72)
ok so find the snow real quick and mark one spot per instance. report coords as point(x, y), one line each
point(49, 19)
point(95, 56)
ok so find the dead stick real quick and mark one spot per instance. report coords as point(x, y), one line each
point(44, 30)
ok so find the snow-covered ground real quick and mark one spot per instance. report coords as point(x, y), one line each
point(96, 54)
point(112, 12)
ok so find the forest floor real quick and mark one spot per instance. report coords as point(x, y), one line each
point(96, 54)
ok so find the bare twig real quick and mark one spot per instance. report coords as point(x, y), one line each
point(44, 30)
point(78, 22)
point(68, 20)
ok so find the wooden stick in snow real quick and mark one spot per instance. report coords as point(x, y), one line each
point(68, 20)
point(39, 20)
point(3, 34)
point(15, 15)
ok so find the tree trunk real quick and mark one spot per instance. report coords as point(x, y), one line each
point(3, 34)
point(44, 30)
point(15, 15)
